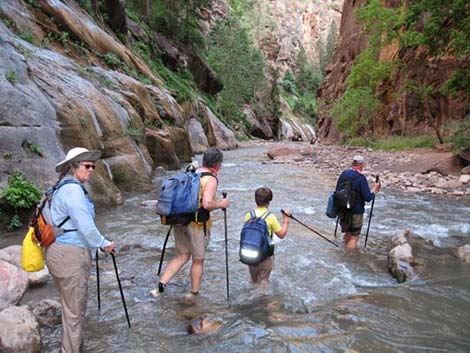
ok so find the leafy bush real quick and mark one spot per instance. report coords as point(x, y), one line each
point(11, 76)
point(21, 193)
point(394, 142)
point(355, 110)
point(461, 137)
point(112, 60)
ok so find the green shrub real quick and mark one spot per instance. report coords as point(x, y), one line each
point(20, 193)
point(15, 222)
point(135, 131)
point(461, 137)
point(33, 147)
point(11, 76)
point(112, 60)
point(394, 142)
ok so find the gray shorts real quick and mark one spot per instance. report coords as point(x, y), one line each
point(190, 239)
point(355, 228)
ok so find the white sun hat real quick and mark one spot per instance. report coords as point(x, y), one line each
point(77, 154)
point(358, 159)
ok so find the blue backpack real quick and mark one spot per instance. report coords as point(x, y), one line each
point(179, 199)
point(254, 240)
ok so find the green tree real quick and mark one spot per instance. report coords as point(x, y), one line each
point(239, 65)
point(326, 51)
point(354, 111)
point(308, 78)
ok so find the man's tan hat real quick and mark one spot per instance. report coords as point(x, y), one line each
point(77, 154)
point(358, 159)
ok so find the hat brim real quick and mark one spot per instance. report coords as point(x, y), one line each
point(92, 156)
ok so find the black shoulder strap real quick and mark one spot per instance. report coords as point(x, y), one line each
point(354, 177)
point(203, 174)
point(357, 176)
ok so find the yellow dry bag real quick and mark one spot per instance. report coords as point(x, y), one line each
point(32, 255)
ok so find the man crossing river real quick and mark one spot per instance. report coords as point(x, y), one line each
point(352, 221)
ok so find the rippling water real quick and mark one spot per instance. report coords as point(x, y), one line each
point(320, 298)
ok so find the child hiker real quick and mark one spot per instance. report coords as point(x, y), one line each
point(263, 196)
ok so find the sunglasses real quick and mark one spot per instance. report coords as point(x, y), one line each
point(88, 166)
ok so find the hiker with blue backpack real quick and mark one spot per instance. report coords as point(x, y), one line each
point(192, 229)
point(352, 192)
point(256, 248)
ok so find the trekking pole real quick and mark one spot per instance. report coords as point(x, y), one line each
point(163, 250)
point(120, 289)
point(370, 214)
point(336, 227)
point(224, 195)
point(98, 281)
point(306, 226)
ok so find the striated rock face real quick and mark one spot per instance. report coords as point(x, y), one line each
point(401, 111)
point(57, 97)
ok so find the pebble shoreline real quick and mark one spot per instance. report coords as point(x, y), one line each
point(332, 160)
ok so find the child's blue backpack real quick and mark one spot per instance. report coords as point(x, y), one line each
point(179, 201)
point(254, 240)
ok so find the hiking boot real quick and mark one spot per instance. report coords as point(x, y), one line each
point(159, 290)
point(155, 293)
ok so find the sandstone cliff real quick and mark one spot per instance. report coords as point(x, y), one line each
point(59, 89)
point(401, 111)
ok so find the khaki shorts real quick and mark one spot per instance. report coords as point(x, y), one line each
point(357, 221)
point(262, 272)
point(191, 240)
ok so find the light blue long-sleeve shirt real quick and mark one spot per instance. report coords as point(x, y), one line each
point(70, 200)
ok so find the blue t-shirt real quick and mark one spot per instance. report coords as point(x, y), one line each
point(360, 186)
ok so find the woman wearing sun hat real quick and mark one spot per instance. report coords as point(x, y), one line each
point(69, 258)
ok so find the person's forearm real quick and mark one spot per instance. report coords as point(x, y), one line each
point(212, 205)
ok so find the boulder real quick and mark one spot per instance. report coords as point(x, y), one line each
point(400, 260)
point(465, 170)
point(19, 331)
point(13, 284)
point(400, 238)
point(259, 126)
point(12, 255)
point(129, 173)
point(216, 132)
point(464, 252)
point(196, 134)
point(464, 178)
point(292, 151)
point(47, 311)
point(168, 147)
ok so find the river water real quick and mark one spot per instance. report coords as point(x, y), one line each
point(320, 298)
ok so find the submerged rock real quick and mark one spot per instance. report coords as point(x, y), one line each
point(204, 325)
point(464, 252)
